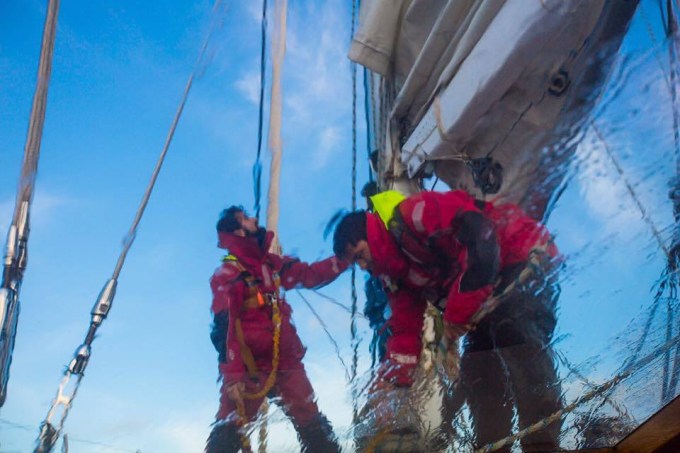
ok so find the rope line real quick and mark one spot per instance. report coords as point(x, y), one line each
point(336, 303)
point(31, 428)
point(262, 432)
point(276, 340)
point(672, 32)
point(328, 333)
point(257, 167)
point(48, 433)
point(353, 322)
point(573, 370)
point(675, 109)
point(16, 251)
point(652, 38)
point(665, 382)
point(668, 279)
point(367, 117)
point(631, 191)
point(541, 424)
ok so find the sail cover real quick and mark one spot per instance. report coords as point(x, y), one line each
point(484, 78)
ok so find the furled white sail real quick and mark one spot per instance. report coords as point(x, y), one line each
point(472, 79)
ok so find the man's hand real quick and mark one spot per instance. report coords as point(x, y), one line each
point(454, 331)
point(235, 392)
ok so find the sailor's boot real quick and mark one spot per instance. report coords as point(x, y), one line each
point(224, 438)
point(317, 436)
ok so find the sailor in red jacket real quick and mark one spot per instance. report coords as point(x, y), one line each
point(451, 249)
point(261, 353)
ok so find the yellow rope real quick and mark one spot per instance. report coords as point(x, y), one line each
point(268, 383)
point(245, 441)
point(264, 409)
point(376, 441)
point(271, 379)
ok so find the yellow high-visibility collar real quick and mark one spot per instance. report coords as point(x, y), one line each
point(384, 203)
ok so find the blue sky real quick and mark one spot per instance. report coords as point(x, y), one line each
point(118, 73)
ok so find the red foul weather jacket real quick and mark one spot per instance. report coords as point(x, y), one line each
point(435, 238)
point(256, 270)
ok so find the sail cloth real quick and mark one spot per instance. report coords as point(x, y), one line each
point(501, 71)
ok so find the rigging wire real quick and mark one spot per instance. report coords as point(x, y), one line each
point(652, 38)
point(257, 167)
point(328, 334)
point(108, 447)
point(336, 303)
point(631, 191)
point(353, 322)
point(622, 412)
point(674, 259)
point(66, 392)
point(672, 34)
point(369, 133)
point(669, 277)
point(16, 251)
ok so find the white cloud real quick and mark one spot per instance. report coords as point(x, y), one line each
point(329, 141)
point(42, 209)
point(607, 192)
point(249, 86)
point(44, 206)
point(184, 435)
point(254, 10)
point(603, 189)
point(317, 85)
point(6, 211)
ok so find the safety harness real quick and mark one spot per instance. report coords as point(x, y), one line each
point(257, 299)
point(427, 255)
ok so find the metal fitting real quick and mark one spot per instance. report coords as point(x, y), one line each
point(5, 300)
point(11, 247)
point(80, 359)
point(559, 83)
point(103, 305)
point(47, 439)
point(22, 221)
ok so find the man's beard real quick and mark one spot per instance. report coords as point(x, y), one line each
point(260, 235)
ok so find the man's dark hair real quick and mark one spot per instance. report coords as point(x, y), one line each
point(228, 223)
point(369, 189)
point(350, 230)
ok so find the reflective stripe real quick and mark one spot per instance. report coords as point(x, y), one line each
point(404, 359)
point(417, 278)
point(417, 217)
point(266, 276)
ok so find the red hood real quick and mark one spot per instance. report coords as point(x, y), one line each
point(246, 249)
point(387, 258)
